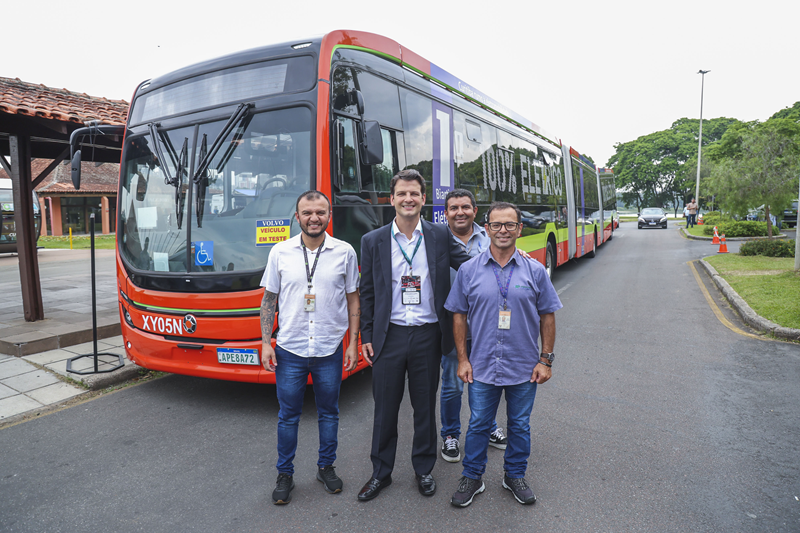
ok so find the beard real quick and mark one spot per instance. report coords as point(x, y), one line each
point(313, 235)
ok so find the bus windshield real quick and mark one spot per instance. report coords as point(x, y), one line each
point(251, 183)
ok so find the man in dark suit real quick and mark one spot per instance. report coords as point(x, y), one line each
point(405, 280)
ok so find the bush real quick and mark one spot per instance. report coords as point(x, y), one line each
point(744, 228)
point(768, 247)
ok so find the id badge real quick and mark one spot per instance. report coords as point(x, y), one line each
point(504, 321)
point(310, 303)
point(410, 289)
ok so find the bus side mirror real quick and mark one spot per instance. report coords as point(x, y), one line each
point(371, 143)
point(76, 170)
point(354, 97)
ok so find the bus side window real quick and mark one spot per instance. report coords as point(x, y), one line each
point(347, 171)
point(377, 178)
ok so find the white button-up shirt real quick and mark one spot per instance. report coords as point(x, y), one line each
point(311, 333)
point(424, 312)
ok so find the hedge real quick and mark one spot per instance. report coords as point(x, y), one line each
point(768, 247)
point(742, 228)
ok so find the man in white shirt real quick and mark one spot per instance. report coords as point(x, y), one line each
point(317, 306)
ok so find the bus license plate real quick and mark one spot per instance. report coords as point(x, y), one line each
point(237, 356)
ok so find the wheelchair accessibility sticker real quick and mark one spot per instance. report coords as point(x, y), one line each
point(204, 253)
point(272, 231)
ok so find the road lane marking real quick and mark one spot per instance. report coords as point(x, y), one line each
point(562, 289)
point(717, 311)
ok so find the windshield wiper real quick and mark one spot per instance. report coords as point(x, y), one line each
point(202, 184)
point(207, 155)
point(180, 161)
point(237, 116)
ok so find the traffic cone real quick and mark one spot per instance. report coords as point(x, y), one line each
point(723, 248)
point(715, 240)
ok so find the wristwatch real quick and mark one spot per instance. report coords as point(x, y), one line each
point(549, 356)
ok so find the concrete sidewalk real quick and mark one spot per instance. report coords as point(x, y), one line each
point(36, 382)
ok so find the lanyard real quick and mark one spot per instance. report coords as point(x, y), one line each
point(310, 274)
point(503, 292)
point(409, 261)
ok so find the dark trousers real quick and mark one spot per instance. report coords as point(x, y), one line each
point(416, 351)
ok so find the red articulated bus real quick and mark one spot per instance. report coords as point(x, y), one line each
point(215, 155)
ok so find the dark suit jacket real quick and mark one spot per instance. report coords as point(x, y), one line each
point(376, 280)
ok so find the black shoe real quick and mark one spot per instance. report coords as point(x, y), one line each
point(373, 487)
point(426, 484)
point(467, 489)
point(329, 479)
point(283, 489)
point(450, 451)
point(498, 439)
point(520, 489)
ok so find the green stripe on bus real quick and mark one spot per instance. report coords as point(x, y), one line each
point(175, 309)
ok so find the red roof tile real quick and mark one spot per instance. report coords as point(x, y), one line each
point(22, 98)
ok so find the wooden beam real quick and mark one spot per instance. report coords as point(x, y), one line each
point(20, 148)
point(46, 172)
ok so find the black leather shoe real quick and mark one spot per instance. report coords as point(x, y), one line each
point(374, 487)
point(426, 484)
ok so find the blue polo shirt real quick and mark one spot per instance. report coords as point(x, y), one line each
point(503, 357)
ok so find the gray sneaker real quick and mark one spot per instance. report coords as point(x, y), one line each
point(283, 489)
point(467, 489)
point(498, 439)
point(520, 489)
point(329, 479)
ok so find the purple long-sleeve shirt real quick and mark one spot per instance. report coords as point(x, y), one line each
point(503, 357)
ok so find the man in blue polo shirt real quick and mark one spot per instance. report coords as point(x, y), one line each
point(460, 210)
point(509, 302)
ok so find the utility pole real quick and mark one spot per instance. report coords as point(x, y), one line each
point(700, 140)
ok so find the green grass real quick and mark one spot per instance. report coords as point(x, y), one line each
point(79, 242)
point(768, 284)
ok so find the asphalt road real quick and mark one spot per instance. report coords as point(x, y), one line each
point(658, 418)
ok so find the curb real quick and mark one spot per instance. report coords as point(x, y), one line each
point(750, 317)
point(101, 381)
point(729, 239)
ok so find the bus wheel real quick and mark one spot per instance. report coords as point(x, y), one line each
point(550, 260)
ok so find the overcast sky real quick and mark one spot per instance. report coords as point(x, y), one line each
point(592, 72)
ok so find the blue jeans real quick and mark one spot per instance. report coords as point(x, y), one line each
point(483, 402)
point(450, 397)
point(291, 376)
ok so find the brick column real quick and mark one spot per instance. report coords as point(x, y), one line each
point(106, 225)
point(43, 212)
point(55, 216)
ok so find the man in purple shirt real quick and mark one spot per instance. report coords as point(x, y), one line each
point(509, 302)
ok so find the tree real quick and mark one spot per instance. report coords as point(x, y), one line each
point(653, 169)
point(757, 163)
point(792, 113)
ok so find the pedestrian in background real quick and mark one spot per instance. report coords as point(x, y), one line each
point(692, 207)
point(317, 307)
point(508, 303)
point(460, 210)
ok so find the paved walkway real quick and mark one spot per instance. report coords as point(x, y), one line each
point(27, 386)
point(33, 355)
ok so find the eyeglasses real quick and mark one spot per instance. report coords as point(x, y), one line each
point(497, 226)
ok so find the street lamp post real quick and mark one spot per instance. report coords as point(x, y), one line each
point(700, 140)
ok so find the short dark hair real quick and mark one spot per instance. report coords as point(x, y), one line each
point(311, 195)
point(503, 205)
point(460, 193)
point(408, 174)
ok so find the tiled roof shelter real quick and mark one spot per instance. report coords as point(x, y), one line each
point(36, 121)
point(20, 98)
